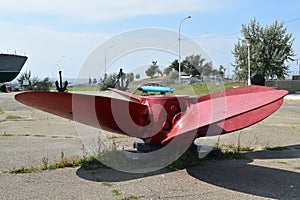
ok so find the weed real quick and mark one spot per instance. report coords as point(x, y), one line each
point(73, 162)
point(45, 161)
point(220, 154)
point(23, 170)
point(107, 184)
point(84, 153)
point(275, 148)
point(282, 162)
point(5, 134)
point(117, 136)
point(62, 156)
point(235, 149)
point(131, 197)
point(246, 148)
point(12, 118)
point(189, 158)
point(39, 135)
point(116, 192)
point(223, 152)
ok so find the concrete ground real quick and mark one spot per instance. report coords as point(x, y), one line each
point(29, 136)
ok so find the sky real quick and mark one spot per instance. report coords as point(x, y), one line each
point(63, 34)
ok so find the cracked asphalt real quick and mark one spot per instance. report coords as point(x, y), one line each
point(28, 135)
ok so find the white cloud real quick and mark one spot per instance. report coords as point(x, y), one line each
point(45, 48)
point(97, 11)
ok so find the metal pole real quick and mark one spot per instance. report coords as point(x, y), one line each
point(249, 64)
point(179, 57)
point(248, 39)
point(298, 66)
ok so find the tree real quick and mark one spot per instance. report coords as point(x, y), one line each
point(25, 79)
point(33, 83)
point(271, 49)
point(193, 65)
point(153, 69)
point(222, 70)
point(167, 71)
point(137, 76)
point(130, 77)
point(90, 80)
point(196, 65)
point(175, 65)
point(43, 85)
point(109, 82)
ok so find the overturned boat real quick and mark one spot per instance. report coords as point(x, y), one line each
point(10, 66)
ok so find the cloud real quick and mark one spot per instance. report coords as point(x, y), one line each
point(45, 47)
point(46, 43)
point(91, 11)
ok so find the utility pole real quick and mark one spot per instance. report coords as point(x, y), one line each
point(179, 57)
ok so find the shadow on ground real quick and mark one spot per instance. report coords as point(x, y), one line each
point(243, 176)
point(237, 175)
point(112, 175)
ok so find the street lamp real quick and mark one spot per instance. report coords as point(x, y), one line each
point(105, 60)
point(179, 67)
point(248, 39)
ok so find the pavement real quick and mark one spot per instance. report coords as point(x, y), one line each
point(29, 136)
point(292, 97)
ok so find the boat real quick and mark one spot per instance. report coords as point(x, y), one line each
point(10, 66)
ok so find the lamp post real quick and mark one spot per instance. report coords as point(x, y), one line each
point(105, 54)
point(248, 39)
point(179, 57)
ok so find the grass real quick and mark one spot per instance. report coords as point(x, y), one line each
point(189, 158)
point(24, 170)
point(107, 184)
point(198, 89)
point(6, 134)
point(12, 118)
point(275, 148)
point(63, 163)
point(282, 162)
point(37, 135)
point(131, 197)
point(226, 152)
point(235, 148)
point(116, 192)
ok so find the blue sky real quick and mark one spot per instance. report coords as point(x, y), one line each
point(62, 34)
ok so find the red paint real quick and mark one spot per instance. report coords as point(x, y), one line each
point(159, 119)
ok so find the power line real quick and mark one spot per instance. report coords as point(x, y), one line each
point(217, 36)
